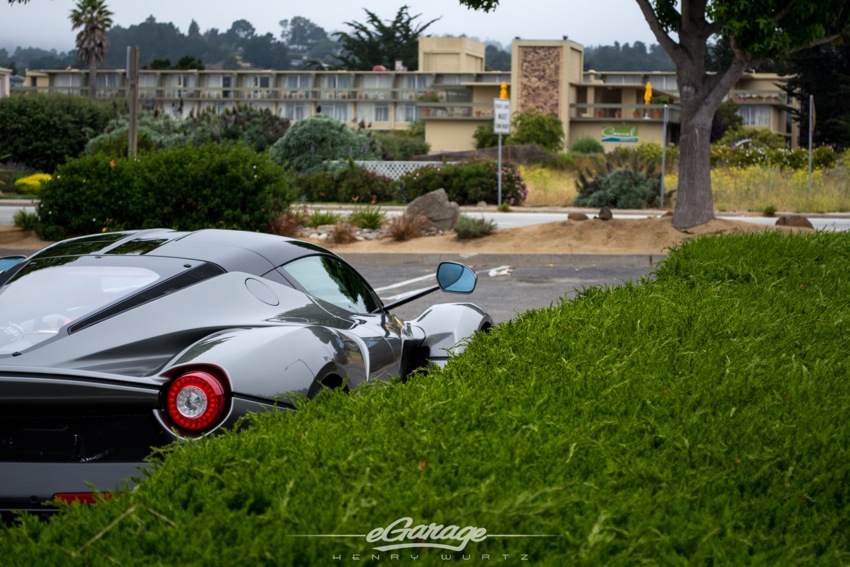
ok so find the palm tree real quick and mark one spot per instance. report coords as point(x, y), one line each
point(94, 18)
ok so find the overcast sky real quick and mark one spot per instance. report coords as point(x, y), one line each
point(45, 24)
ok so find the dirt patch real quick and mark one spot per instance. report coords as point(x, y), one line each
point(616, 236)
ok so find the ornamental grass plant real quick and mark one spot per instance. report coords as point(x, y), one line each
point(699, 417)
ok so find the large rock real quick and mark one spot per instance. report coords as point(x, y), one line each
point(436, 207)
point(577, 216)
point(794, 220)
point(605, 214)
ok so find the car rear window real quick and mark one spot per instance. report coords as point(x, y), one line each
point(40, 302)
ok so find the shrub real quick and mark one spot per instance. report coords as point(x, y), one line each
point(532, 127)
point(397, 146)
point(404, 227)
point(31, 184)
point(486, 137)
point(623, 189)
point(25, 220)
point(324, 218)
point(286, 224)
point(186, 188)
point(468, 227)
point(309, 143)
point(258, 128)
point(343, 233)
point(587, 145)
point(41, 131)
point(368, 217)
point(156, 130)
point(467, 183)
point(361, 186)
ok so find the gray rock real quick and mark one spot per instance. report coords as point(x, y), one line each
point(577, 216)
point(605, 214)
point(794, 220)
point(436, 207)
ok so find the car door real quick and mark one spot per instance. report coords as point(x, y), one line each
point(343, 292)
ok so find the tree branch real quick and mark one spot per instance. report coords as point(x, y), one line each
point(783, 12)
point(662, 36)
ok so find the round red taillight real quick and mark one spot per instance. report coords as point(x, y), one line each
point(195, 400)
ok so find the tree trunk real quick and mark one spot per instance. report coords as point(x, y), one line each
point(694, 203)
point(92, 80)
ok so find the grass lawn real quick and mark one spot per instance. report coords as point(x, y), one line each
point(700, 418)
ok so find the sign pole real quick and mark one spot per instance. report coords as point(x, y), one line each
point(499, 175)
point(501, 125)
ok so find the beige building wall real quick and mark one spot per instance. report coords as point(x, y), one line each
point(451, 55)
point(5, 76)
point(451, 135)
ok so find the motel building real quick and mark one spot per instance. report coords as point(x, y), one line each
point(451, 92)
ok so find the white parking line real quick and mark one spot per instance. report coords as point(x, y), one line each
point(405, 294)
point(405, 283)
point(500, 271)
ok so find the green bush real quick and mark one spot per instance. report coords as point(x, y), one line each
point(466, 183)
point(698, 419)
point(368, 217)
point(823, 157)
point(622, 189)
point(310, 143)
point(624, 178)
point(486, 137)
point(323, 218)
point(344, 185)
point(185, 188)
point(532, 127)
point(156, 130)
point(41, 131)
point(400, 146)
point(587, 145)
point(258, 128)
point(468, 227)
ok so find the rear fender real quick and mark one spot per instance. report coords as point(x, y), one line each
point(269, 362)
point(447, 325)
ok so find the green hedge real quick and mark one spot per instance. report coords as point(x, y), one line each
point(345, 185)
point(41, 131)
point(186, 188)
point(700, 418)
point(466, 183)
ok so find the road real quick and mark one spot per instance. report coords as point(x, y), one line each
point(503, 291)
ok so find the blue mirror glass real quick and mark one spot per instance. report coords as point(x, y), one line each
point(9, 262)
point(455, 278)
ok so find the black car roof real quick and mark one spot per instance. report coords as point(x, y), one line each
point(233, 250)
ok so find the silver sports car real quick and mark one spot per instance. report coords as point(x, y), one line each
point(115, 343)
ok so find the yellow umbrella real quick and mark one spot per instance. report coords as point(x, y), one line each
point(647, 96)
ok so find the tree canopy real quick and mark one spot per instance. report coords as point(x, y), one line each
point(377, 42)
point(756, 30)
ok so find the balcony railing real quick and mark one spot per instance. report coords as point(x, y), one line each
point(625, 112)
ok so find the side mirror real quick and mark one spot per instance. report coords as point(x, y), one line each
point(9, 262)
point(456, 278)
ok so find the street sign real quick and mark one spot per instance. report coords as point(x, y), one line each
point(501, 116)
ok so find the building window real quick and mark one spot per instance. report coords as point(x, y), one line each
point(406, 113)
point(338, 110)
point(294, 111)
point(382, 113)
point(755, 115)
